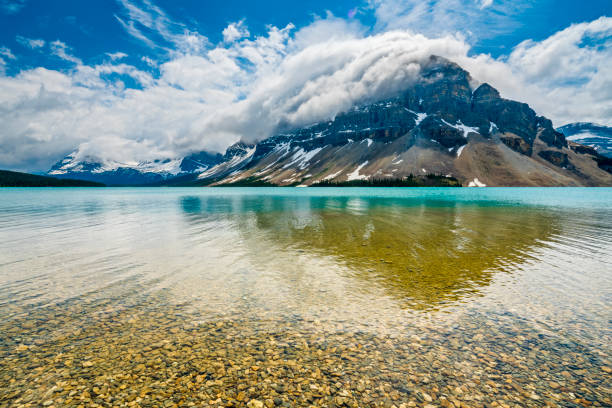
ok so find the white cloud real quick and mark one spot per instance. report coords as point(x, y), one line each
point(114, 56)
point(60, 50)
point(574, 53)
point(476, 19)
point(131, 29)
point(235, 31)
point(204, 101)
point(148, 23)
point(206, 97)
point(317, 81)
point(149, 61)
point(7, 53)
point(567, 77)
point(328, 29)
point(484, 3)
point(30, 42)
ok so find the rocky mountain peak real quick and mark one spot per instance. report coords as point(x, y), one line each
point(200, 161)
point(485, 93)
point(238, 149)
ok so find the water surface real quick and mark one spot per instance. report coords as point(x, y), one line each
point(296, 297)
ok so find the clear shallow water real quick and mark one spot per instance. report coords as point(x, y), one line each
point(526, 272)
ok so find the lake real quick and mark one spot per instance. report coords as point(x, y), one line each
point(305, 297)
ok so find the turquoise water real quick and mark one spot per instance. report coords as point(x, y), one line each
point(61, 243)
point(533, 263)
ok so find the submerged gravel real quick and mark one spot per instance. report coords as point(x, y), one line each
point(161, 357)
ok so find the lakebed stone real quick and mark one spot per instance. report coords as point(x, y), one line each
point(160, 356)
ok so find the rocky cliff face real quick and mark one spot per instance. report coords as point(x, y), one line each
point(440, 125)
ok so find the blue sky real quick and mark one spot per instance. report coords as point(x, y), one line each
point(91, 28)
point(74, 73)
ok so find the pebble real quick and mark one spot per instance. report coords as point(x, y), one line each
point(255, 404)
point(158, 356)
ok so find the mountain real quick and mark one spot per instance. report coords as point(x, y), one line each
point(589, 134)
point(136, 173)
point(17, 179)
point(440, 127)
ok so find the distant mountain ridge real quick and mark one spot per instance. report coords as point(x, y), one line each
point(138, 173)
point(438, 126)
point(590, 134)
point(18, 179)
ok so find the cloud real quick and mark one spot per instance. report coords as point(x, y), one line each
point(116, 55)
point(476, 19)
point(235, 31)
point(484, 3)
point(30, 42)
point(60, 50)
point(12, 6)
point(149, 61)
point(7, 53)
point(149, 24)
point(573, 53)
point(131, 29)
point(318, 81)
point(245, 90)
point(207, 97)
point(328, 29)
point(567, 76)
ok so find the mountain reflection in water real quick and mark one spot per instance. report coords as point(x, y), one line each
point(424, 253)
point(359, 258)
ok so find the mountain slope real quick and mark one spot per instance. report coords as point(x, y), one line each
point(439, 126)
point(591, 135)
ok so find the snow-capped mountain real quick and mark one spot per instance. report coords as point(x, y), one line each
point(589, 134)
point(131, 173)
point(439, 126)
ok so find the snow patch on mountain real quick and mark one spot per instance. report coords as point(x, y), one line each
point(333, 175)
point(460, 150)
point(302, 157)
point(476, 183)
point(355, 174)
point(369, 141)
point(460, 126)
point(419, 116)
